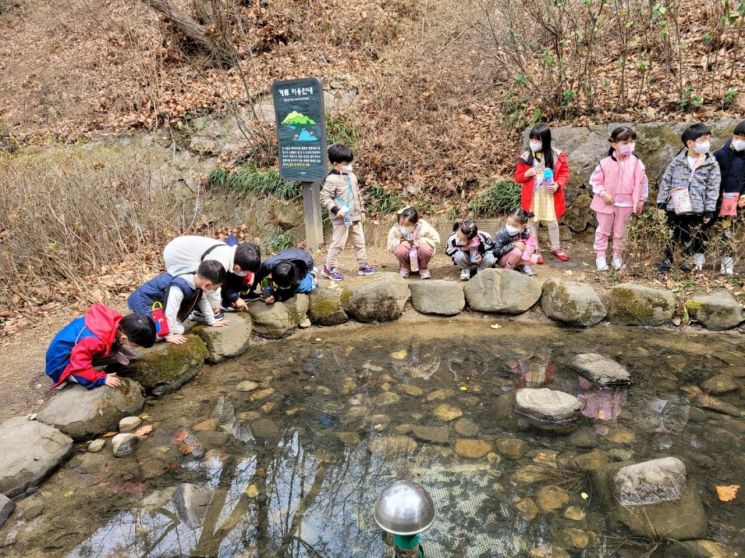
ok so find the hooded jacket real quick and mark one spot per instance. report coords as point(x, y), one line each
point(342, 189)
point(303, 262)
point(732, 168)
point(702, 184)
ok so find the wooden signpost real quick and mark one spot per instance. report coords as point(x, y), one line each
point(301, 134)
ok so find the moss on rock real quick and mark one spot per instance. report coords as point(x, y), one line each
point(639, 305)
point(326, 307)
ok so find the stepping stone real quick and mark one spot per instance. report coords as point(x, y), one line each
point(601, 370)
point(548, 409)
point(279, 320)
point(502, 290)
point(443, 298)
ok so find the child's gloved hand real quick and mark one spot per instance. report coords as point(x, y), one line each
point(112, 380)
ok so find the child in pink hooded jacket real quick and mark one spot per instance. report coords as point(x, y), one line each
point(620, 187)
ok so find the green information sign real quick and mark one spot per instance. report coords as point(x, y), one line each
point(301, 129)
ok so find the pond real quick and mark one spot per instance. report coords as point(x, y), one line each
point(285, 450)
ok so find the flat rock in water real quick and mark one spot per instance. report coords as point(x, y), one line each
point(447, 412)
point(229, 341)
point(84, 413)
point(325, 307)
point(265, 428)
point(640, 305)
point(719, 384)
point(572, 302)
point(129, 424)
point(439, 297)
point(547, 408)
point(278, 320)
point(551, 498)
point(601, 370)
point(6, 508)
point(166, 367)
point(650, 482)
point(502, 290)
point(377, 298)
point(124, 444)
point(472, 449)
point(433, 434)
point(389, 446)
point(718, 310)
point(466, 427)
point(247, 386)
point(511, 447)
point(192, 503)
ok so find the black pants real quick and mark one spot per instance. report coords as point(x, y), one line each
point(689, 232)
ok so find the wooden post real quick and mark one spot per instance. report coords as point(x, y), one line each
point(312, 215)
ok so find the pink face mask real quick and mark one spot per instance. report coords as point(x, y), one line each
point(627, 149)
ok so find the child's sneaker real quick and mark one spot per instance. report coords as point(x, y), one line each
point(527, 270)
point(560, 255)
point(728, 266)
point(199, 316)
point(601, 264)
point(665, 266)
point(617, 263)
point(366, 269)
point(404, 272)
point(332, 274)
point(699, 260)
point(465, 275)
point(425, 274)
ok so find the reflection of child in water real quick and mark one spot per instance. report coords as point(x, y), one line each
point(601, 403)
point(535, 370)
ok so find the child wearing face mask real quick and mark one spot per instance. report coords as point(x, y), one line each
point(620, 187)
point(731, 159)
point(470, 249)
point(543, 172)
point(413, 241)
point(688, 194)
point(512, 243)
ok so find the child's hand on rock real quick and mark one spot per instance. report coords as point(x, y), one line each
point(220, 323)
point(176, 339)
point(112, 380)
point(269, 299)
point(240, 304)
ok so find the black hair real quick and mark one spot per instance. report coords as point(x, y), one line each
point(139, 329)
point(247, 257)
point(693, 132)
point(285, 275)
point(740, 129)
point(340, 153)
point(213, 271)
point(521, 215)
point(467, 227)
point(622, 133)
point(409, 214)
point(542, 132)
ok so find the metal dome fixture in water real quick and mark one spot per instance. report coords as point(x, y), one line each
point(405, 509)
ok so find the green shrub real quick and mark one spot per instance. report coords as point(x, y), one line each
point(249, 179)
point(340, 130)
point(279, 239)
point(499, 198)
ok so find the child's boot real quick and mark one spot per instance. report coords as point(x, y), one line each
point(405, 272)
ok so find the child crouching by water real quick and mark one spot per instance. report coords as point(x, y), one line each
point(470, 249)
point(413, 241)
point(514, 246)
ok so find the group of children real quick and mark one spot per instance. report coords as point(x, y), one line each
point(205, 277)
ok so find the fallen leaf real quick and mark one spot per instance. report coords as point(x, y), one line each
point(252, 491)
point(727, 493)
point(110, 434)
point(143, 431)
point(399, 355)
point(495, 326)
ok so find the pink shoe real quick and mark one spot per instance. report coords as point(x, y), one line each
point(404, 272)
point(425, 274)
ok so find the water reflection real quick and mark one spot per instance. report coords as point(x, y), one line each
point(601, 403)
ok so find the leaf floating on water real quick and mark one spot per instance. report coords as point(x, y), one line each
point(399, 355)
point(71, 493)
point(252, 491)
point(495, 326)
point(727, 493)
point(585, 495)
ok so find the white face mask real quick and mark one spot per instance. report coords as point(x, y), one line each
point(738, 145)
point(406, 230)
point(702, 148)
point(536, 146)
point(512, 230)
point(346, 169)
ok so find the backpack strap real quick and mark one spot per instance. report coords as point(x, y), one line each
point(208, 250)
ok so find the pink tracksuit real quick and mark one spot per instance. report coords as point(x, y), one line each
point(626, 181)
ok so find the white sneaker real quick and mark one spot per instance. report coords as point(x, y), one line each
point(527, 270)
point(728, 266)
point(699, 260)
point(617, 263)
point(601, 264)
point(465, 275)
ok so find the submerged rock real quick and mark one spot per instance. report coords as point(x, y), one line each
point(443, 298)
point(124, 444)
point(389, 446)
point(548, 409)
point(377, 298)
point(502, 290)
point(433, 434)
point(601, 370)
point(166, 367)
point(447, 412)
point(29, 452)
point(639, 305)
point(511, 447)
point(6, 508)
point(229, 341)
point(466, 427)
point(472, 449)
point(325, 307)
point(192, 503)
point(719, 384)
point(83, 413)
point(718, 310)
point(278, 320)
point(551, 498)
point(572, 302)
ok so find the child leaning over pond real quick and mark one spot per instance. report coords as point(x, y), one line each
point(470, 249)
point(514, 246)
point(413, 241)
point(285, 274)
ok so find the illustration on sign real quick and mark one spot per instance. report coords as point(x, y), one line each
point(302, 125)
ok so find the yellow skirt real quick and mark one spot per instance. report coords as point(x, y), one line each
point(543, 205)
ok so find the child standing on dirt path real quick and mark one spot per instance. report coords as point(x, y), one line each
point(620, 187)
point(470, 249)
point(543, 172)
point(413, 241)
point(341, 197)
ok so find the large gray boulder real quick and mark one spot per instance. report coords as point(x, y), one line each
point(29, 452)
point(166, 367)
point(548, 409)
point(325, 307)
point(376, 298)
point(229, 341)
point(601, 370)
point(572, 302)
point(718, 310)
point(444, 298)
point(639, 305)
point(502, 290)
point(654, 499)
point(84, 413)
point(278, 320)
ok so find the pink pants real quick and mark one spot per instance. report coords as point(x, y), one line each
point(424, 252)
point(614, 223)
point(513, 258)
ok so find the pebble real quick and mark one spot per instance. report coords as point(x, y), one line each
point(408, 389)
point(447, 412)
point(719, 384)
point(574, 513)
point(348, 385)
point(440, 395)
point(389, 446)
point(248, 415)
point(208, 425)
point(386, 398)
point(434, 434)
point(531, 474)
point(576, 539)
point(349, 438)
point(584, 437)
point(619, 435)
point(511, 447)
point(124, 444)
point(269, 407)
point(94, 446)
point(472, 449)
point(262, 394)
point(493, 458)
point(247, 386)
point(527, 508)
point(128, 424)
point(265, 428)
point(466, 427)
point(551, 498)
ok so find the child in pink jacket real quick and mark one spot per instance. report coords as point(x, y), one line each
point(620, 187)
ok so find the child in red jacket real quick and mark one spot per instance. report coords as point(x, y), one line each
point(543, 172)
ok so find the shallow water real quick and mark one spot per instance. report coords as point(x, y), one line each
point(302, 481)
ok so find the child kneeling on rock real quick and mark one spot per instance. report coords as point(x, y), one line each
point(103, 333)
point(179, 295)
point(413, 242)
point(470, 249)
point(285, 274)
point(514, 246)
